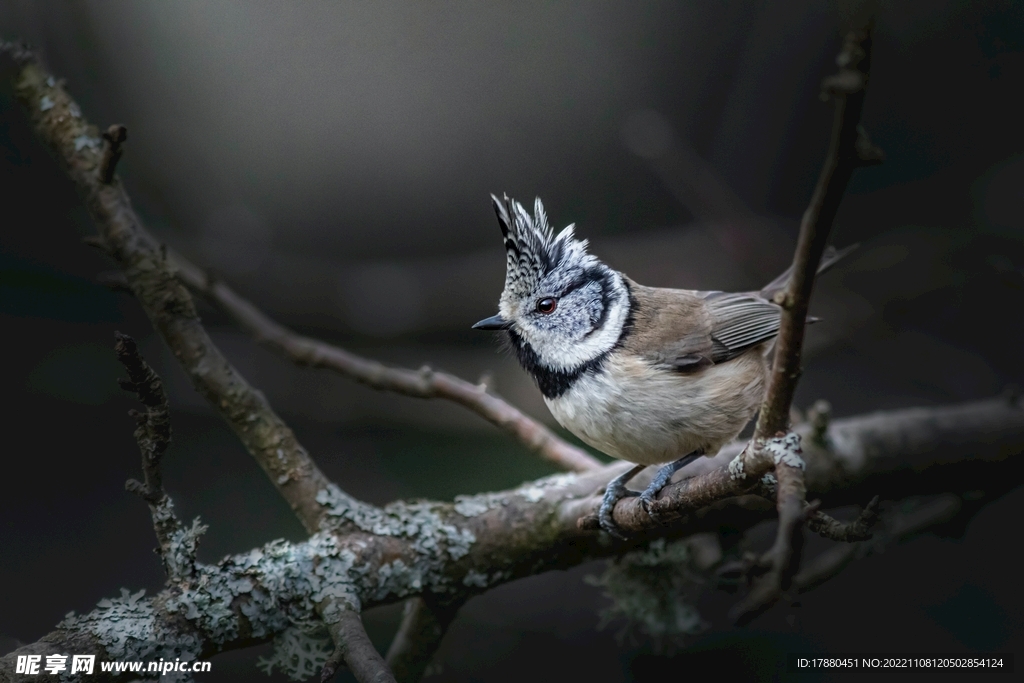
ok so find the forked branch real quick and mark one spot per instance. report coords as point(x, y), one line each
point(423, 383)
point(58, 122)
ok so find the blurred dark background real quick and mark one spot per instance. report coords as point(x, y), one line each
point(333, 162)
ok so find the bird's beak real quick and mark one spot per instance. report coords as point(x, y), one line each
point(495, 322)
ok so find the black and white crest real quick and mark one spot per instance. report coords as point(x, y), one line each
point(532, 250)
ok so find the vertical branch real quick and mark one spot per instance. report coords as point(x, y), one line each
point(177, 543)
point(849, 148)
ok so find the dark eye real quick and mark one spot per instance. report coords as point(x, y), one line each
point(547, 305)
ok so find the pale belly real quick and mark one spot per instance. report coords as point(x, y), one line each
point(643, 414)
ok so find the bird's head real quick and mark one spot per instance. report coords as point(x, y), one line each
point(561, 306)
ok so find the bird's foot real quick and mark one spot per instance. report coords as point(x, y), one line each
point(613, 493)
point(659, 482)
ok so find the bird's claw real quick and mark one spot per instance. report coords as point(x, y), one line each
point(660, 480)
point(647, 503)
point(612, 495)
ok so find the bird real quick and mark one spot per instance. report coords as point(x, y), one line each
point(649, 375)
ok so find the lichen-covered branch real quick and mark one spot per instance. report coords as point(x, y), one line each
point(450, 551)
point(177, 543)
point(58, 122)
point(154, 426)
point(423, 383)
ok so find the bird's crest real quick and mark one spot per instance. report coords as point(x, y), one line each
point(532, 250)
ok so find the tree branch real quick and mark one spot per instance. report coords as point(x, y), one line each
point(419, 635)
point(154, 431)
point(898, 526)
point(845, 532)
point(351, 645)
point(177, 543)
point(114, 136)
point(450, 551)
point(361, 556)
point(58, 122)
point(848, 149)
point(424, 383)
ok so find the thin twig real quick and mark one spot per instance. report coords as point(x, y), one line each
point(897, 527)
point(59, 123)
point(845, 532)
point(419, 635)
point(153, 433)
point(423, 383)
point(177, 543)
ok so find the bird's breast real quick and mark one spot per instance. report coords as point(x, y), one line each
point(644, 413)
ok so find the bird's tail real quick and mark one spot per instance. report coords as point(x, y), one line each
point(831, 257)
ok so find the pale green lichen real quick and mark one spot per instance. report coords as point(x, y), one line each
point(278, 588)
point(300, 653)
point(420, 522)
point(786, 450)
point(127, 629)
point(83, 141)
point(736, 468)
point(653, 591)
point(179, 555)
point(531, 493)
point(471, 506)
point(534, 491)
point(475, 578)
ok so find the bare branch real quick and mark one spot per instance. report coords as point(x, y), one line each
point(351, 645)
point(848, 149)
point(423, 383)
point(845, 532)
point(112, 139)
point(418, 637)
point(847, 89)
point(58, 121)
point(897, 527)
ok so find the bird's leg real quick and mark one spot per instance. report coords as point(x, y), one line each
point(662, 478)
point(613, 493)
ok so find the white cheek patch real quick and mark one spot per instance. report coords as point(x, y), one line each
point(557, 352)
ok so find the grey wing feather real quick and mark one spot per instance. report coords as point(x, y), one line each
point(831, 257)
point(739, 321)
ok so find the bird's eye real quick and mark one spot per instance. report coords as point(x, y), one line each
point(547, 305)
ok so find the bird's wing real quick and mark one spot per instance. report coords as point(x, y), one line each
point(739, 321)
point(686, 330)
point(670, 328)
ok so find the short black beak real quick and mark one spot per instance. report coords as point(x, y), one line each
point(495, 322)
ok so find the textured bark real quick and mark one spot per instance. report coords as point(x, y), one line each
point(441, 553)
point(425, 548)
